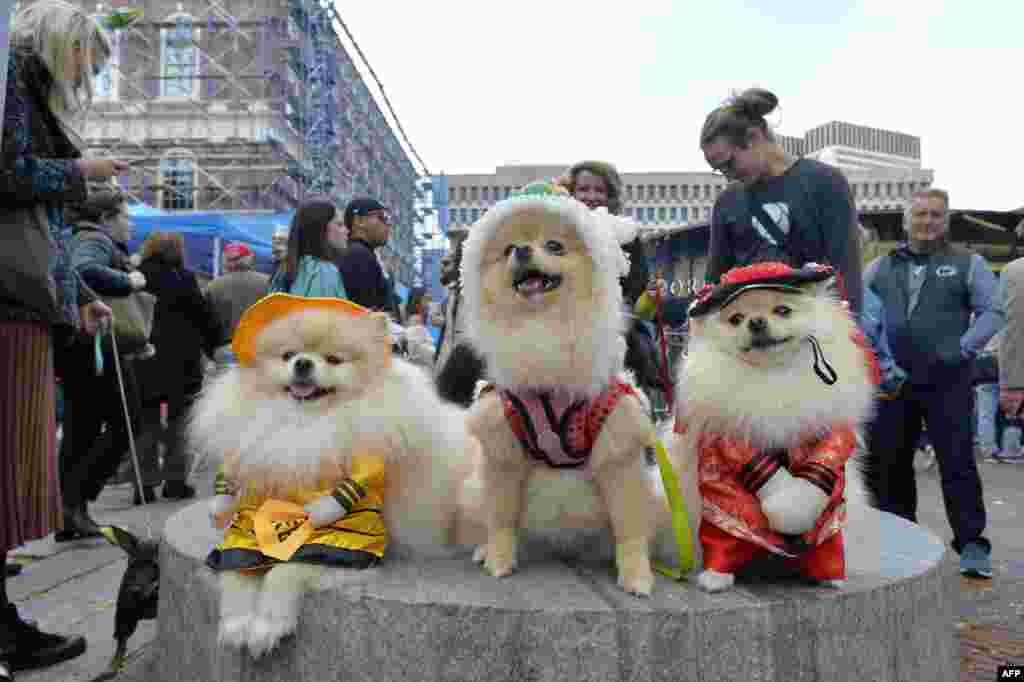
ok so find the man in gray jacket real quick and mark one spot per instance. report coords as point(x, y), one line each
point(232, 293)
point(929, 290)
point(1011, 348)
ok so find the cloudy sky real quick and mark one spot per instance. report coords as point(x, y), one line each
point(481, 83)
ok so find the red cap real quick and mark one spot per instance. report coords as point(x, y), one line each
point(237, 250)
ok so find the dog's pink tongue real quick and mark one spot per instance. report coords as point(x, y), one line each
point(302, 390)
point(532, 289)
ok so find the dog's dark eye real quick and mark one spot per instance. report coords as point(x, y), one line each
point(554, 248)
point(736, 320)
point(333, 360)
point(288, 356)
point(783, 310)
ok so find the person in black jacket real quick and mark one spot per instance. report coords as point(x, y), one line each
point(184, 328)
point(369, 226)
point(89, 455)
point(777, 207)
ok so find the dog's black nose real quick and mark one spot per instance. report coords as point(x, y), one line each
point(757, 325)
point(522, 252)
point(303, 367)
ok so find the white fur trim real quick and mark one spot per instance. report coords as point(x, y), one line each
point(601, 234)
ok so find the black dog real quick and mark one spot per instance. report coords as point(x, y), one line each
point(138, 595)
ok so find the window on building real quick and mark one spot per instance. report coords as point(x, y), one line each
point(628, 211)
point(474, 214)
point(719, 189)
point(686, 191)
point(451, 195)
point(496, 193)
point(462, 194)
point(661, 192)
point(464, 216)
point(662, 214)
point(473, 193)
point(707, 213)
point(105, 86)
point(707, 191)
point(673, 191)
point(911, 187)
point(899, 189)
point(878, 189)
point(888, 189)
point(177, 183)
point(650, 192)
point(684, 213)
point(508, 191)
point(650, 214)
point(640, 192)
point(485, 193)
point(629, 191)
point(179, 58)
point(673, 214)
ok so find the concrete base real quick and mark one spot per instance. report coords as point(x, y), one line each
point(562, 618)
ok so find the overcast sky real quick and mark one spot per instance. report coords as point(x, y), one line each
point(477, 84)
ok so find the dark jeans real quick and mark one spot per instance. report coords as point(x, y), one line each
point(88, 457)
point(946, 408)
point(176, 462)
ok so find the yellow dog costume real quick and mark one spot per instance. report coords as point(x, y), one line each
point(265, 531)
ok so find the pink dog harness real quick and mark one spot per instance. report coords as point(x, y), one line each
point(557, 430)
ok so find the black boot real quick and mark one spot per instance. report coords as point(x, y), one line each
point(26, 646)
point(148, 493)
point(178, 490)
point(78, 525)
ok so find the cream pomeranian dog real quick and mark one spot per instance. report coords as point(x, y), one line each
point(331, 449)
point(776, 383)
point(563, 432)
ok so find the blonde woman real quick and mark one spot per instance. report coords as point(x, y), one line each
point(56, 49)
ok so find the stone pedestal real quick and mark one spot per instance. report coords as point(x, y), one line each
point(562, 618)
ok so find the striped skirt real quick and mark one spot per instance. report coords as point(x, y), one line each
point(29, 485)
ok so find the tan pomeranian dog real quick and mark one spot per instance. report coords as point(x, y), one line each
point(332, 450)
point(776, 384)
point(563, 433)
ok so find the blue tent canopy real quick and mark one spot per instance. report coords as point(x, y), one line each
point(202, 230)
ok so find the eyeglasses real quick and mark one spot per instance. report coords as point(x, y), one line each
point(726, 168)
point(381, 216)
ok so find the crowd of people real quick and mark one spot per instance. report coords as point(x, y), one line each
point(930, 310)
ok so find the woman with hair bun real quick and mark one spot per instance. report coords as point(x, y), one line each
point(778, 207)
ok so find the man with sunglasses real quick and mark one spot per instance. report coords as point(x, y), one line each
point(369, 227)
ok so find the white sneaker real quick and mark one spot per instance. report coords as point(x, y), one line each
point(924, 459)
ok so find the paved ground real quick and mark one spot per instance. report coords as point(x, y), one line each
point(73, 588)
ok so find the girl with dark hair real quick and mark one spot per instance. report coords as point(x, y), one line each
point(316, 233)
point(779, 207)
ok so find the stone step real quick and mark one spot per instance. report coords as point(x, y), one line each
point(564, 618)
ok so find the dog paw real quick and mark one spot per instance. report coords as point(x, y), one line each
point(234, 631)
point(713, 581)
point(500, 553)
point(480, 554)
point(640, 583)
point(635, 575)
point(265, 634)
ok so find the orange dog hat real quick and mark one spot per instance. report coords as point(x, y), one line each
point(276, 306)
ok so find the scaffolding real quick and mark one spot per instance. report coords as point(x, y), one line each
point(248, 105)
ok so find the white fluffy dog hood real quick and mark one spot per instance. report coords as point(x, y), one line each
point(602, 233)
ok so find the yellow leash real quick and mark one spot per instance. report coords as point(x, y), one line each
point(680, 519)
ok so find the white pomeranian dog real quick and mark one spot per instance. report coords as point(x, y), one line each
point(331, 450)
point(775, 387)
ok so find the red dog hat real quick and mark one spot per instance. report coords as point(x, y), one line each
point(777, 276)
